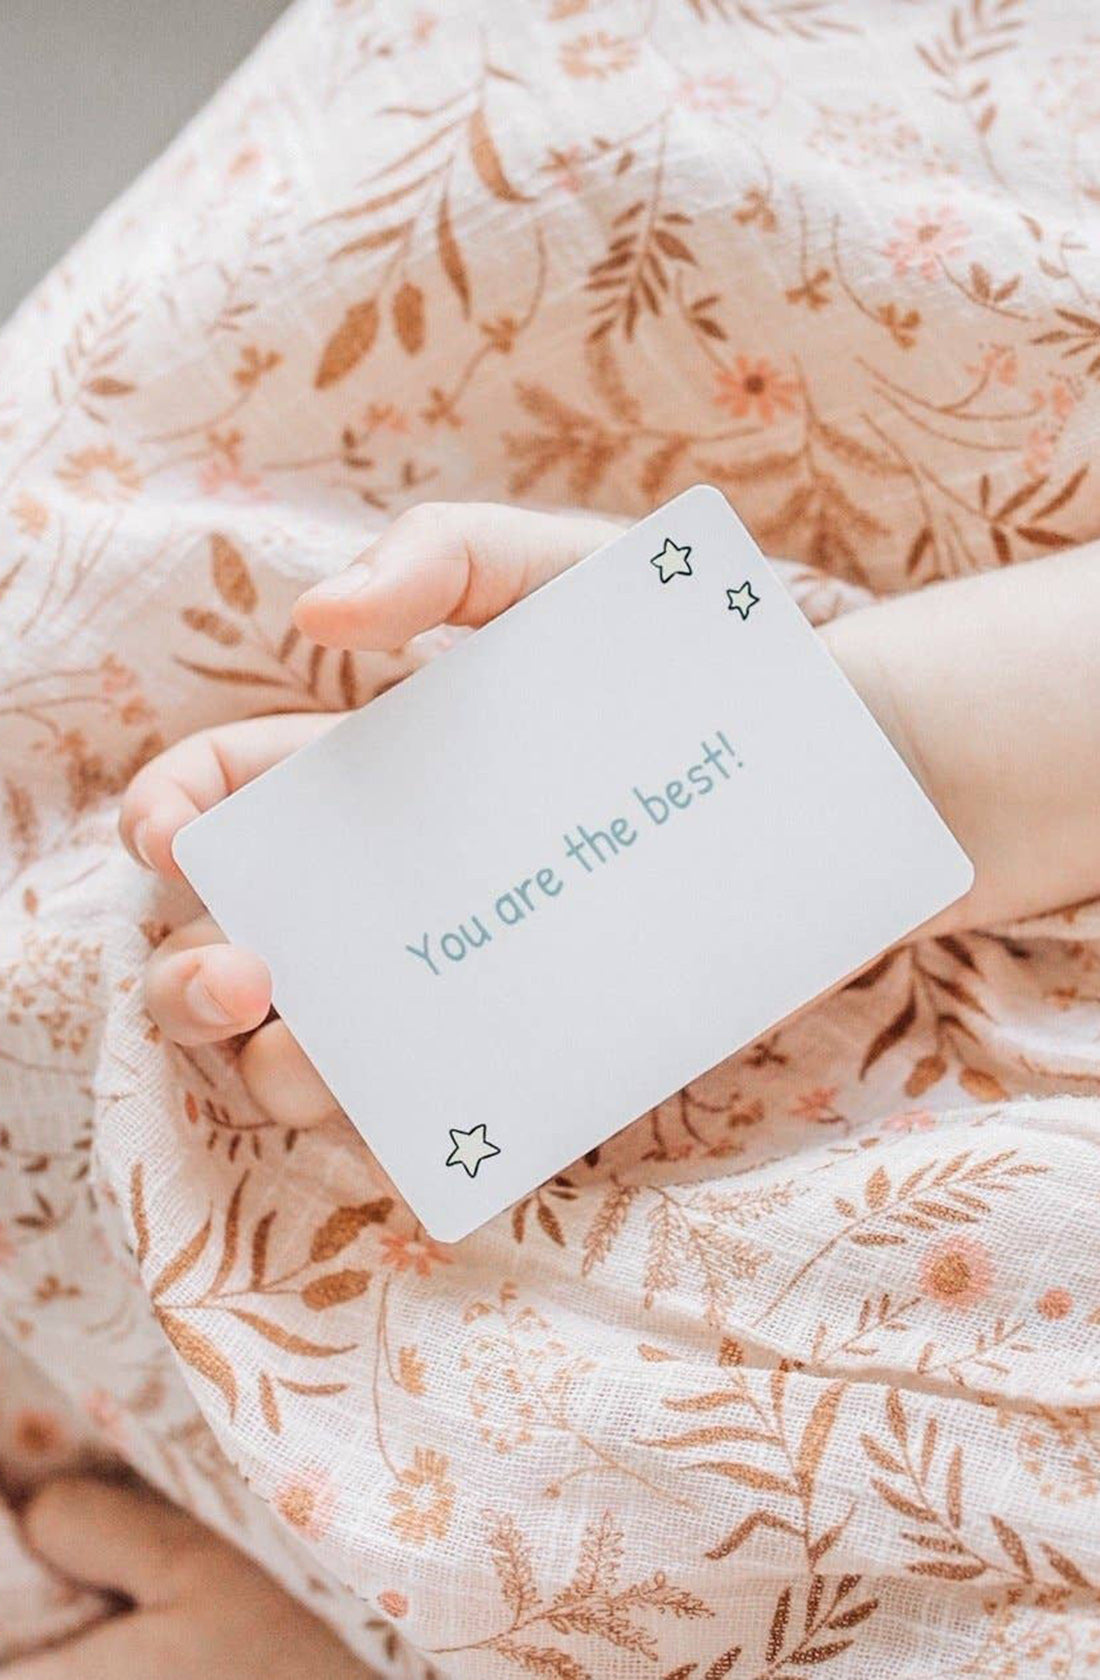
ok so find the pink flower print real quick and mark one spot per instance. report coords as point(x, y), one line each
point(1038, 451)
point(565, 167)
point(912, 1120)
point(114, 677)
point(818, 1103)
point(417, 1254)
point(754, 387)
point(306, 1501)
point(714, 94)
point(599, 55)
point(998, 362)
point(1055, 1304)
point(224, 475)
point(1062, 399)
point(923, 241)
point(956, 1272)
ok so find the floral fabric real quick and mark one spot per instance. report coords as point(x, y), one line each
point(802, 1371)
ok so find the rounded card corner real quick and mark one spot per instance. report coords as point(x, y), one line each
point(710, 493)
point(175, 848)
point(450, 1230)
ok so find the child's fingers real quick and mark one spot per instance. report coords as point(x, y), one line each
point(120, 1646)
point(120, 1539)
point(200, 771)
point(281, 1078)
point(198, 989)
point(445, 563)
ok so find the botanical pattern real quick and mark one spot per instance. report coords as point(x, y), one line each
point(801, 1372)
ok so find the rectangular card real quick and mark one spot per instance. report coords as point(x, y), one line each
point(603, 843)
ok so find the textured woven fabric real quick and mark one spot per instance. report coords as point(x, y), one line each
point(802, 1372)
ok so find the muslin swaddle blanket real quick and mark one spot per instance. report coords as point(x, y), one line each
point(801, 1373)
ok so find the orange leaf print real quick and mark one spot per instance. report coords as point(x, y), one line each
point(750, 1475)
point(269, 1406)
point(815, 1436)
point(890, 1034)
point(260, 1239)
point(408, 317)
point(601, 1552)
point(351, 341)
point(1012, 1544)
point(137, 1211)
point(105, 386)
point(312, 1390)
point(344, 1225)
point(898, 1501)
point(212, 624)
point(486, 160)
point(199, 1352)
point(514, 1565)
point(943, 1570)
point(182, 1262)
point(550, 1223)
point(982, 1085)
point(345, 676)
point(334, 1288)
point(241, 679)
point(895, 1417)
point(231, 1236)
point(376, 241)
point(877, 1189)
point(288, 1340)
point(954, 1488)
point(450, 256)
point(1066, 1568)
point(232, 579)
point(778, 1631)
point(928, 1071)
point(672, 246)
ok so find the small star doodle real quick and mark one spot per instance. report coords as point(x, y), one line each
point(672, 561)
point(742, 599)
point(470, 1149)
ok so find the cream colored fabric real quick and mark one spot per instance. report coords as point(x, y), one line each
point(802, 1371)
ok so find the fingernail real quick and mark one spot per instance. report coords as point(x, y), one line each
point(142, 837)
point(203, 1005)
point(351, 582)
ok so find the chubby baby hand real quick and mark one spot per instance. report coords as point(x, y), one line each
point(439, 563)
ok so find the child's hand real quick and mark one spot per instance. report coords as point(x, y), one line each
point(200, 1608)
point(441, 563)
point(987, 686)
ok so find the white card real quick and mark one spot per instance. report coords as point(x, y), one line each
point(490, 993)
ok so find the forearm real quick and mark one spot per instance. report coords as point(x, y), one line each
point(989, 687)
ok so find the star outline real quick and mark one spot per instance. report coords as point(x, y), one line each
point(678, 565)
point(483, 1148)
point(739, 606)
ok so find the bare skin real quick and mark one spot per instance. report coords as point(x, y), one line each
point(200, 1609)
point(989, 687)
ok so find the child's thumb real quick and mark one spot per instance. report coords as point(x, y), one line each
point(445, 563)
